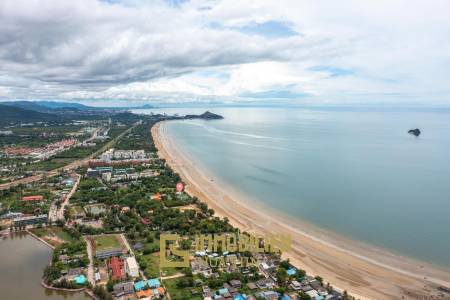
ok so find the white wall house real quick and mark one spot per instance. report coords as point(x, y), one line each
point(132, 267)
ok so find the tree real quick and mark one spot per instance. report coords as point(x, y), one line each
point(304, 296)
point(281, 276)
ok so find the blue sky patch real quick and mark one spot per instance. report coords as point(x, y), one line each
point(271, 29)
point(333, 71)
point(274, 94)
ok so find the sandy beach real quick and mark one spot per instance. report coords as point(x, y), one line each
point(366, 272)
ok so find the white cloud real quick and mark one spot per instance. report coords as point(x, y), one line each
point(149, 50)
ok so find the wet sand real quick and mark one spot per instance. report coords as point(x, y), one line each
point(365, 271)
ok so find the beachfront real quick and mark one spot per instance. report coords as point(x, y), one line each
point(365, 271)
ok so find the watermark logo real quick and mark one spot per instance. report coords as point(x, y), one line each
point(225, 242)
point(171, 240)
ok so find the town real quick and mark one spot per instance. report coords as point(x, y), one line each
point(104, 215)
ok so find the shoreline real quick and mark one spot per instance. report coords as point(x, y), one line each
point(366, 272)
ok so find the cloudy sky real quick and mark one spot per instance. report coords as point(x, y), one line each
point(264, 51)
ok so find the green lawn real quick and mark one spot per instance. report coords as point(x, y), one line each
point(152, 269)
point(77, 210)
point(54, 231)
point(107, 241)
point(177, 293)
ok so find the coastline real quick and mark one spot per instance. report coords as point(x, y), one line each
point(365, 271)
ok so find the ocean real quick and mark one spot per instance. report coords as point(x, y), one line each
point(353, 171)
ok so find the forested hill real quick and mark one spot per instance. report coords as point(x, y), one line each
point(10, 114)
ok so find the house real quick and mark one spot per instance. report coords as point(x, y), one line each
point(33, 198)
point(138, 246)
point(122, 289)
point(64, 258)
point(132, 267)
point(266, 283)
point(200, 266)
point(269, 295)
point(117, 268)
point(154, 283)
point(73, 274)
point(140, 285)
point(236, 283)
point(295, 285)
point(252, 286)
point(313, 294)
point(206, 291)
point(147, 294)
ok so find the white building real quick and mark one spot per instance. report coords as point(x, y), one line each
point(132, 267)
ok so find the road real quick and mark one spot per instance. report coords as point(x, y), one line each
point(90, 269)
point(56, 214)
point(72, 166)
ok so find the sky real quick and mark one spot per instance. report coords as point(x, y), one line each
point(216, 51)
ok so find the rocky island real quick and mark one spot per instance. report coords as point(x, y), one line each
point(415, 132)
point(206, 116)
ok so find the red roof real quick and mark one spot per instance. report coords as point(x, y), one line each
point(33, 198)
point(116, 266)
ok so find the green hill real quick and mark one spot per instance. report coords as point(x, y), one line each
point(12, 114)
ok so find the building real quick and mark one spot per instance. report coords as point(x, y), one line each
point(154, 283)
point(108, 253)
point(132, 267)
point(31, 220)
point(33, 198)
point(92, 173)
point(117, 268)
point(124, 288)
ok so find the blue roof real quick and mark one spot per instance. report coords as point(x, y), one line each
point(239, 297)
point(140, 285)
point(80, 279)
point(291, 271)
point(154, 283)
point(285, 297)
point(319, 298)
point(223, 291)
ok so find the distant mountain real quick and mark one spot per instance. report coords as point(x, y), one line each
point(45, 106)
point(59, 105)
point(13, 114)
point(145, 106)
point(31, 105)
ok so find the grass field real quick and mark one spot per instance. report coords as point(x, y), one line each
point(104, 242)
point(77, 210)
point(177, 293)
point(49, 234)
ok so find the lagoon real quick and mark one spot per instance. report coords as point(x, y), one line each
point(23, 259)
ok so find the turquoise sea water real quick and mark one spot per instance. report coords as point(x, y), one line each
point(356, 172)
